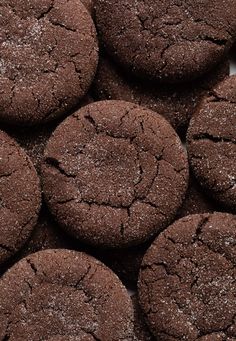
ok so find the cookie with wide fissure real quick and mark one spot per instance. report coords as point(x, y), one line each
point(49, 56)
point(211, 143)
point(167, 40)
point(67, 293)
point(114, 174)
point(187, 280)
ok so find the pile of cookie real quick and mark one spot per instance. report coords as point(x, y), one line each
point(117, 170)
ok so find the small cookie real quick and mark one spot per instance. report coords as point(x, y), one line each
point(175, 103)
point(196, 201)
point(62, 292)
point(187, 280)
point(20, 197)
point(211, 143)
point(141, 331)
point(114, 174)
point(35, 140)
point(167, 40)
point(49, 55)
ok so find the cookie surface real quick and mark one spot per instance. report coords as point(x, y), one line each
point(49, 55)
point(187, 280)
point(20, 197)
point(64, 293)
point(211, 143)
point(167, 40)
point(114, 174)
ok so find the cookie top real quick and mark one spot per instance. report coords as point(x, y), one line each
point(211, 143)
point(114, 174)
point(49, 55)
point(141, 331)
point(64, 293)
point(20, 197)
point(167, 40)
point(187, 280)
point(176, 103)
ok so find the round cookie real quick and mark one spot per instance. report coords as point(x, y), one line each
point(62, 292)
point(176, 103)
point(141, 331)
point(34, 140)
point(20, 197)
point(167, 40)
point(114, 174)
point(211, 143)
point(187, 280)
point(196, 201)
point(49, 55)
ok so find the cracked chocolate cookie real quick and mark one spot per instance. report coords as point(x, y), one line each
point(114, 174)
point(187, 280)
point(64, 293)
point(196, 201)
point(20, 197)
point(141, 331)
point(211, 143)
point(48, 59)
point(167, 40)
point(175, 103)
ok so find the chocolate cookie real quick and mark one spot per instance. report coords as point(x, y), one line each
point(114, 174)
point(49, 55)
point(196, 201)
point(141, 331)
point(176, 103)
point(187, 280)
point(212, 143)
point(20, 197)
point(167, 40)
point(35, 140)
point(71, 338)
point(64, 293)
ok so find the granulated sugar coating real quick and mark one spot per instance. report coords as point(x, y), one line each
point(63, 293)
point(48, 59)
point(212, 143)
point(114, 174)
point(187, 280)
point(20, 197)
point(167, 40)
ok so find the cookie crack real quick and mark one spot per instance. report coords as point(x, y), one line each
point(215, 139)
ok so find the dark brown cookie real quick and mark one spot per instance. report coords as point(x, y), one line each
point(20, 197)
point(212, 143)
point(176, 103)
point(167, 40)
point(187, 280)
point(71, 338)
point(196, 201)
point(67, 293)
point(141, 331)
point(114, 174)
point(48, 58)
point(35, 140)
